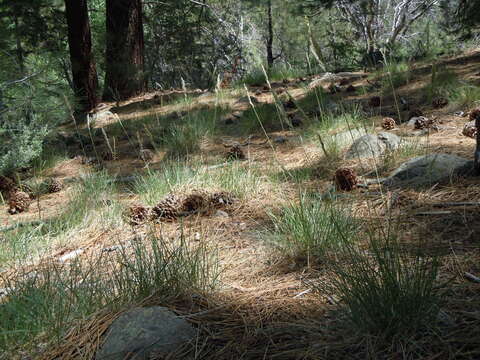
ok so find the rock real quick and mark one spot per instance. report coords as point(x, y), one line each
point(371, 145)
point(426, 170)
point(105, 115)
point(347, 138)
point(145, 331)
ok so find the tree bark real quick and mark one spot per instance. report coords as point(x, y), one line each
point(124, 76)
point(477, 149)
point(84, 72)
point(270, 58)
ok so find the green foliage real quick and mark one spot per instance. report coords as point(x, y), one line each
point(310, 229)
point(388, 290)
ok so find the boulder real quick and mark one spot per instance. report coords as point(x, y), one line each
point(145, 331)
point(347, 138)
point(426, 170)
point(371, 145)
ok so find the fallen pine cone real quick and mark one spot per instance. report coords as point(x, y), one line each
point(18, 202)
point(388, 123)
point(439, 103)
point(235, 153)
point(470, 130)
point(137, 214)
point(346, 179)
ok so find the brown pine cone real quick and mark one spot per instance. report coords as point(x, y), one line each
point(346, 179)
point(18, 202)
point(474, 114)
point(137, 214)
point(388, 123)
point(195, 202)
point(235, 153)
point(167, 209)
point(470, 130)
point(54, 185)
point(221, 199)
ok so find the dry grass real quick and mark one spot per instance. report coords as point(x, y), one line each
point(264, 307)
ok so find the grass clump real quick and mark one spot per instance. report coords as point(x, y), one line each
point(42, 307)
point(388, 290)
point(310, 229)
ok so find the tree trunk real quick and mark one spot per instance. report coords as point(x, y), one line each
point(270, 57)
point(124, 76)
point(84, 72)
point(477, 149)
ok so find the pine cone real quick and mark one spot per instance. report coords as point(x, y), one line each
point(423, 123)
point(474, 114)
point(26, 189)
point(54, 185)
point(137, 214)
point(235, 153)
point(6, 184)
point(439, 102)
point(195, 202)
point(167, 209)
point(388, 123)
point(375, 101)
point(470, 130)
point(415, 113)
point(18, 202)
point(221, 199)
point(346, 179)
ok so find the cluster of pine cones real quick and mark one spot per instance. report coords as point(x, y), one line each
point(172, 207)
point(21, 195)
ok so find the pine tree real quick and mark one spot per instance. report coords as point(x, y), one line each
point(124, 76)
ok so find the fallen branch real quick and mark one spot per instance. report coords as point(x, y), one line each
point(472, 278)
point(453, 204)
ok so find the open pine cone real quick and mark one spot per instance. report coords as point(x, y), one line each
point(346, 179)
point(235, 153)
point(137, 214)
point(423, 123)
point(388, 123)
point(439, 102)
point(54, 185)
point(470, 130)
point(221, 199)
point(167, 209)
point(195, 202)
point(375, 101)
point(18, 202)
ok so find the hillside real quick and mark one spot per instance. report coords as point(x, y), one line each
point(252, 256)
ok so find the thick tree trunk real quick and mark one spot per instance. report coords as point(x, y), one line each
point(270, 58)
point(477, 149)
point(84, 72)
point(124, 76)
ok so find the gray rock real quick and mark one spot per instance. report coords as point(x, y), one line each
point(371, 145)
point(347, 138)
point(426, 170)
point(143, 331)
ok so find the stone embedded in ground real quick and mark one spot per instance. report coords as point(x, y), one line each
point(372, 145)
point(347, 138)
point(143, 332)
point(426, 170)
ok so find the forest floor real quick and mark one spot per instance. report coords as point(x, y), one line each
point(264, 304)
